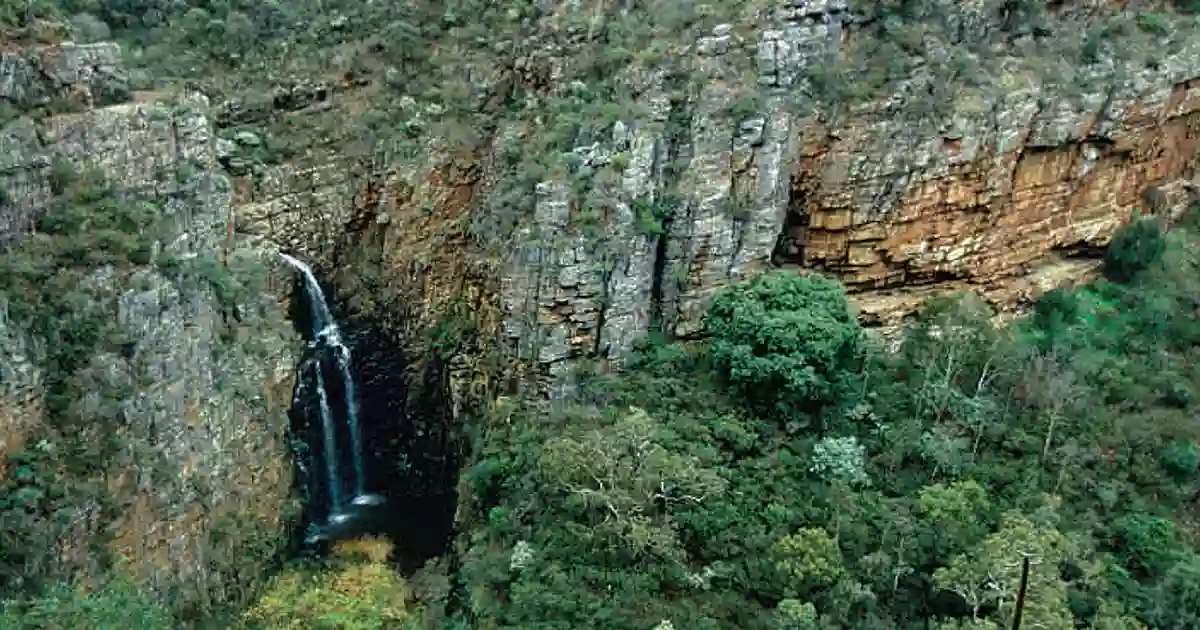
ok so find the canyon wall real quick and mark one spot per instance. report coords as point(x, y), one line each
point(202, 479)
point(549, 219)
point(992, 165)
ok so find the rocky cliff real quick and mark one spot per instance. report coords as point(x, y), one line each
point(540, 184)
point(172, 458)
point(965, 146)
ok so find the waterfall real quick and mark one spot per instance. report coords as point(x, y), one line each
point(326, 335)
point(331, 469)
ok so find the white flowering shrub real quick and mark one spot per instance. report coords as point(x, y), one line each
point(522, 556)
point(840, 459)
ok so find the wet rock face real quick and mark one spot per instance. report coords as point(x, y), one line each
point(411, 448)
point(205, 470)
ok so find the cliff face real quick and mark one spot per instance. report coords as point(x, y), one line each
point(199, 479)
point(986, 158)
point(998, 203)
point(589, 172)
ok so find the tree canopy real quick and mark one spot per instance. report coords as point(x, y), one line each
point(790, 473)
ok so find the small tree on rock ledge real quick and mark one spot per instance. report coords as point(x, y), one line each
point(1134, 248)
point(786, 342)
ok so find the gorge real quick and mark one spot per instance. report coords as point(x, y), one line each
point(316, 272)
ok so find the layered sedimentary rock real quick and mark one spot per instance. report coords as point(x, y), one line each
point(995, 195)
point(204, 461)
point(998, 164)
point(999, 203)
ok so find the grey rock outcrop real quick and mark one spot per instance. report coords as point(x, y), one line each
point(209, 369)
point(728, 194)
point(31, 77)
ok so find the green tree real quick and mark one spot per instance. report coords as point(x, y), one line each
point(955, 514)
point(1149, 544)
point(989, 574)
point(1175, 604)
point(624, 480)
point(797, 615)
point(788, 340)
point(807, 560)
point(1134, 249)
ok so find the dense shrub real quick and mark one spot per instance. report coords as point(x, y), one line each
point(1188, 6)
point(1134, 248)
point(785, 339)
point(117, 603)
point(971, 445)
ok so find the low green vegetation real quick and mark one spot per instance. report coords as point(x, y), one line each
point(354, 589)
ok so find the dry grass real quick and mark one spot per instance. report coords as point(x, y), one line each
point(360, 590)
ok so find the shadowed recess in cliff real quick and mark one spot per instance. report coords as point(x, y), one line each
point(362, 439)
point(327, 350)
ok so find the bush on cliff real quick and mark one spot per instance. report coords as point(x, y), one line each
point(51, 286)
point(1134, 248)
point(63, 492)
point(786, 340)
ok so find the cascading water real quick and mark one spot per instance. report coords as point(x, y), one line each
point(332, 479)
point(326, 336)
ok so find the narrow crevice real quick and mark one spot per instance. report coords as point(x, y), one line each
point(1081, 250)
point(739, 240)
point(533, 329)
point(677, 150)
point(606, 275)
point(789, 245)
point(739, 225)
point(657, 279)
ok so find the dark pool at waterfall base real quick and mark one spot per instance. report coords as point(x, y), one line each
point(364, 465)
